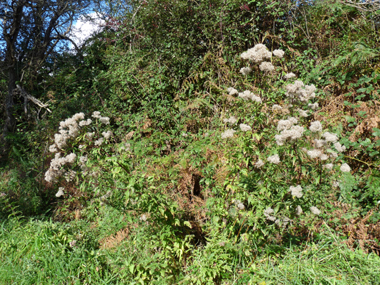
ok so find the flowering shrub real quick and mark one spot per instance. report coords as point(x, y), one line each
point(290, 172)
point(74, 133)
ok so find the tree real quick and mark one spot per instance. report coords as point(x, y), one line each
point(31, 31)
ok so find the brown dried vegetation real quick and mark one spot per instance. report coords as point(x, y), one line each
point(359, 231)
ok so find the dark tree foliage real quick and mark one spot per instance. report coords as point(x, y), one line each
point(31, 32)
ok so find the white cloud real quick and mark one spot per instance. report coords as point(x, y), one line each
point(85, 28)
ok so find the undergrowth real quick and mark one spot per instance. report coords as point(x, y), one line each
point(206, 165)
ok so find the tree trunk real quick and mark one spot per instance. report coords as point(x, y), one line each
point(10, 121)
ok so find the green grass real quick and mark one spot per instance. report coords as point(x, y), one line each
point(39, 252)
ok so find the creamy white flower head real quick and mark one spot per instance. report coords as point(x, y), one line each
point(333, 154)
point(73, 131)
point(240, 206)
point(232, 120)
point(294, 133)
point(279, 53)
point(274, 159)
point(314, 106)
point(315, 210)
point(256, 99)
point(245, 127)
point(107, 135)
point(276, 107)
point(319, 143)
point(299, 210)
point(83, 159)
point(284, 125)
point(315, 126)
point(280, 139)
point(53, 148)
point(268, 211)
point(339, 147)
point(300, 92)
point(78, 116)
point(257, 54)
point(60, 192)
point(289, 75)
point(303, 113)
point(228, 134)
point(345, 167)
point(85, 122)
point(296, 191)
point(323, 157)
point(259, 163)
point(268, 214)
point(335, 184)
point(90, 135)
point(70, 158)
point(328, 166)
point(232, 91)
point(314, 153)
point(99, 142)
point(293, 88)
point(246, 95)
point(96, 115)
point(293, 120)
point(104, 120)
point(245, 70)
point(330, 137)
point(266, 66)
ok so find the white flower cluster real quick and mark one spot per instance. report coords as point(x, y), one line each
point(245, 70)
point(289, 75)
point(104, 120)
point(70, 129)
point(246, 95)
point(99, 142)
point(60, 192)
point(279, 53)
point(339, 147)
point(274, 159)
point(67, 129)
point(303, 113)
point(85, 122)
point(316, 127)
point(296, 191)
point(266, 66)
point(232, 120)
point(329, 137)
point(300, 92)
point(245, 128)
point(315, 210)
point(107, 134)
point(259, 163)
point(295, 132)
point(286, 124)
point(328, 166)
point(232, 91)
point(228, 134)
point(56, 166)
point(96, 115)
point(257, 54)
point(268, 214)
point(288, 130)
point(345, 167)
